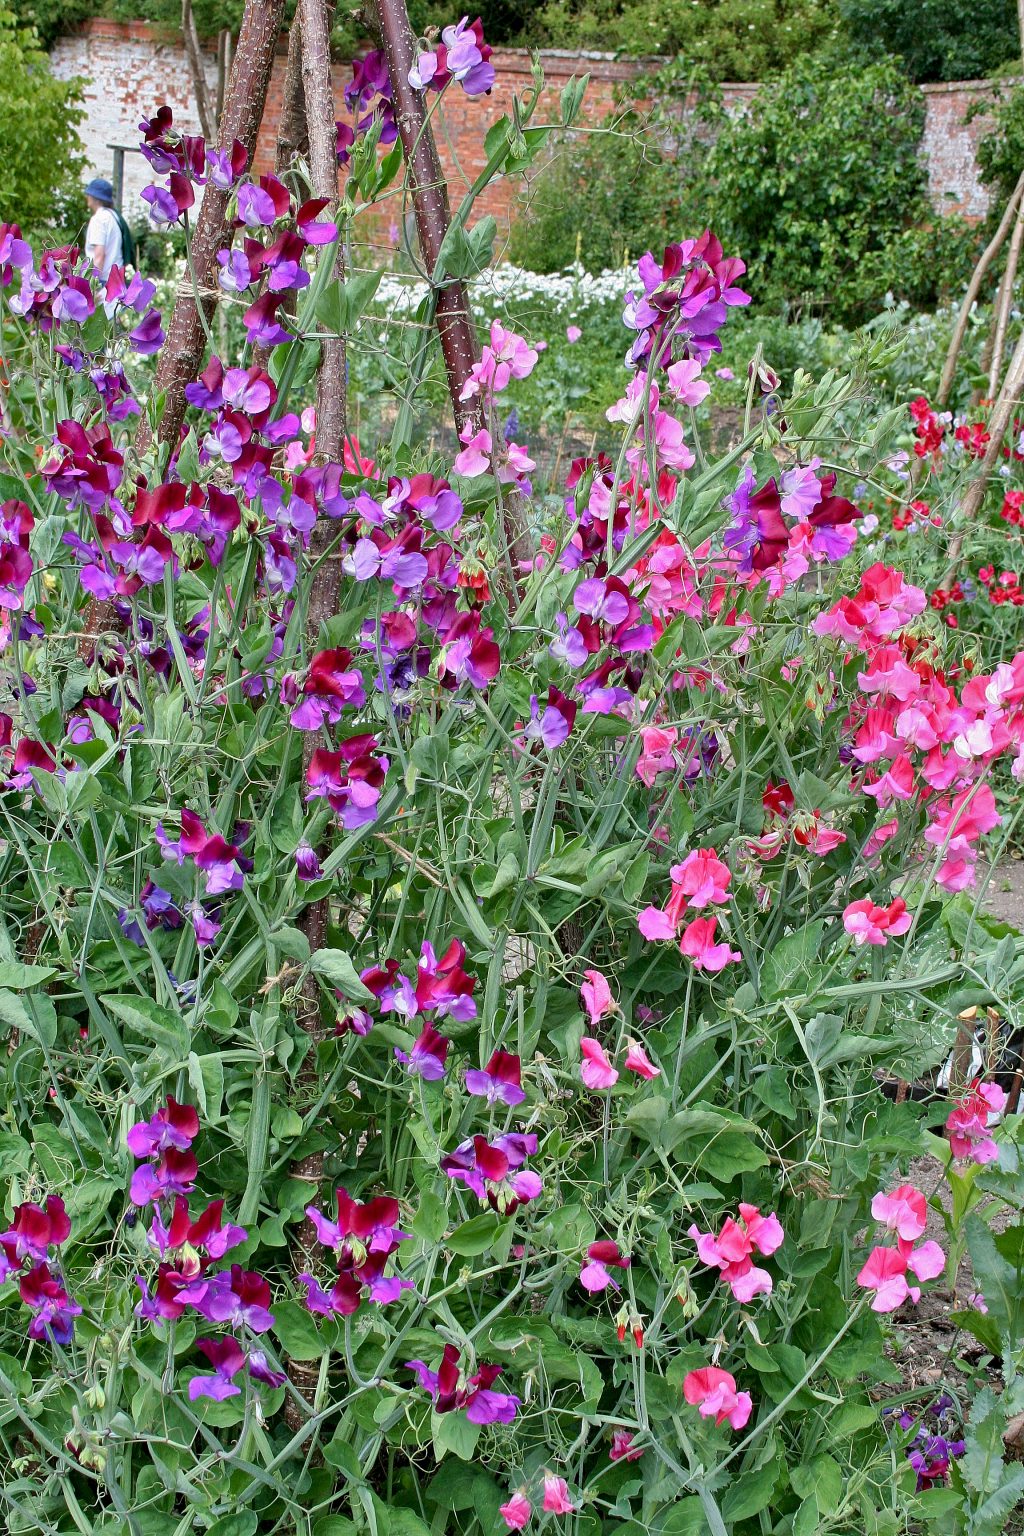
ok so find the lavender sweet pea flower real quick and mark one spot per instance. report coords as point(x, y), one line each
point(235, 274)
point(255, 207)
point(593, 598)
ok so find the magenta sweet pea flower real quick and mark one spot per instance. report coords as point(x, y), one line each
point(427, 1057)
point(499, 1082)
point(638, 1061)
point(494, 1170)
point(698, 943)
point(238, 1297)
point(904, 1211)
point(35, 1229)
point(174, 1125)
point(602, 1256)
point(452, 1392)
point(596, 1070)
point(730, 1252)
point(622, 1448)
point(867, 923)
point(969, 1120)
point(713, 1393)
point(885, 1273)
point(596, 996)
point(516, 1511)
point(227, 1358)
point(556, 1496)
point(53, 1310)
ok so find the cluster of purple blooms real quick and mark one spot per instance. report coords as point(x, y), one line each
point(59, 293)
point(270, 267)
point(235, 1298)
point(29, 1250)
point(933, 1446)
point(461, 55)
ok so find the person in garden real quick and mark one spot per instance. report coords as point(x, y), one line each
point(103, 239)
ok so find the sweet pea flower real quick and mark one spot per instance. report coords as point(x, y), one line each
point(885, 1273)
point(35, 1228)
point(453, 1392)
point(499, 1082)
point(702, 878)
point(556, 1495)
point(596, 996)
point(968, 1122)
point(427, 1057)
point(868, 924)
point(904, 1212)
point(698, 943)
point(637, 1061)
point(602, 1256)
point(515, 1511)
point(596, 1070)
point(227, 1358)
point(622, 1448)
point(713, 1393)
point(730, 1252)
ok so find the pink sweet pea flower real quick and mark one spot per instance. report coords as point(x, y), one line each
point(516, 1512)
point(556, 1495)
point(702, 878)
point(597, 996)
point(698, 942)
point(637, 1061)
point(654, 923)
point(596, 1070)
point(685, 383)
point(885, 1273)
point(730, 1252)
point(622, 1446)
point(713, 1393)
point(572, 334)
point(868, 924)
point(968, 1122)
point(904, 1212)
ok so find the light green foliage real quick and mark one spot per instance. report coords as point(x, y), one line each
point(39, 155)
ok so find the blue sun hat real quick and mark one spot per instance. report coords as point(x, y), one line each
point(101, 189)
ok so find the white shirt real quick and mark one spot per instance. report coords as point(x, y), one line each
point(104, 230)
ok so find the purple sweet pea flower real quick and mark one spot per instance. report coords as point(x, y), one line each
point(499, 1082)
point(428, 1055)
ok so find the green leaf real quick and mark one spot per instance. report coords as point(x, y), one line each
point(340, 306)
point(820, 1479)
point(14, 1013)
point(453, 1432)
point(791, 963)
point(431, 1219)
point(18, 977)
point(300, 1338)
point(475, 1235)
point(751, 1491)
point(242, 1523)
point(154, 1025)
point(464, 252)
point(337, 968)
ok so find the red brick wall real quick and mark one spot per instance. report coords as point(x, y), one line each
point(129, 69)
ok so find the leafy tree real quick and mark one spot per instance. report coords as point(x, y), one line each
point(40, 161)
point(731, 39)
point(822, 187)
point(936, 40)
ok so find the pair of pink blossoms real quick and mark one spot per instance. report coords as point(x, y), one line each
point(867, 923)
point(968, 1122)
point(701, 880)
point(516, 1511)
point(731, 1251)
point(596, 1069)
point(904, 1212)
